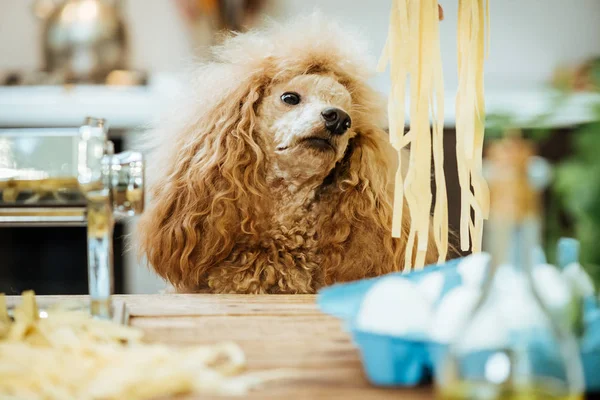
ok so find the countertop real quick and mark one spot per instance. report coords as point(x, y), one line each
point(275, 331)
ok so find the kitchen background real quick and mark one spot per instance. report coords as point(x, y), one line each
point(530, 42)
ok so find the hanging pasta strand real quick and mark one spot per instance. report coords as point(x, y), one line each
point(440, 212)
point(418, 180)
point(413, 51)
point(398, 63)
point(473, 32)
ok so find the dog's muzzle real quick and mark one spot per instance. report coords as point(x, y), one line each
point(337, 122)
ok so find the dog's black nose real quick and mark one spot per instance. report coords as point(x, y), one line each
point(336, 121)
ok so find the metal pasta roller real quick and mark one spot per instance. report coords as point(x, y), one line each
point(70, 177)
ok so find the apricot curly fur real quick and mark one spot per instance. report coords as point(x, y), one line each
point(210, 224)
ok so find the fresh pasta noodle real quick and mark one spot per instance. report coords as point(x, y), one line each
point(413, 51)
point(70, 355)
point(473, 29)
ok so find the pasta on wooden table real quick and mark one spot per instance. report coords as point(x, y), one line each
point(70, 355)
point(413, 51)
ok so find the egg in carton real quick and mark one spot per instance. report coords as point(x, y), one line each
point(403, 323)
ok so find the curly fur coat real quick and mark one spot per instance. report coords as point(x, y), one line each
point(242, 201)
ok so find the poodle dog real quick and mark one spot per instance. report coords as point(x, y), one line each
point(277, 179)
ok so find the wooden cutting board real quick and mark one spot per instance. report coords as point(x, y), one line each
point(275, 331)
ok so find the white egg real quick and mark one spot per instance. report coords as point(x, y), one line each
point(508, 278)
point(516, 297)
point(453, 312)
point(394, 306)
point(551, 286)
point(523, 309)
point(455, 317)
point(485, 331)
point(579, 280)
point(473, 269)
point(431, 286)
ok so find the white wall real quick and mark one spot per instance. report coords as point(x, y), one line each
point(529, 37)
point(528, 41)
point(18, 35)
point(158, 39)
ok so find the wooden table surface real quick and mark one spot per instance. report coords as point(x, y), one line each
point(275, 332)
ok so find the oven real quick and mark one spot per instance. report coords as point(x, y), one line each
point(52, 259)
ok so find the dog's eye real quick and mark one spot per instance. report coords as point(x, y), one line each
point(290, 98)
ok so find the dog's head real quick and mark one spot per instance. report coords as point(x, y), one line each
point(287, 102)
point(306, 124)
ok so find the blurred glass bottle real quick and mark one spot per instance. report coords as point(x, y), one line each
point(511, 347)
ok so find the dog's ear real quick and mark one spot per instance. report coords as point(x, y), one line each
point(365, 209)
point(209, 189)
point(366, 180)
point(378, 165)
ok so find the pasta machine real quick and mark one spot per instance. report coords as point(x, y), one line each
point(71, 177)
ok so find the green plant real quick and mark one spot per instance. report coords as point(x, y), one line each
point(575, 190)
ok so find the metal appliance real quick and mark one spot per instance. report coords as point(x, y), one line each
point(83, 40)
point(71, 177)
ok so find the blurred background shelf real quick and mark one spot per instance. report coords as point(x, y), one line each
point(135, 107)
point(125, 107)
point(525, 106)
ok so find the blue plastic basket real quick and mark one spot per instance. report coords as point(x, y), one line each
point(393, 361)
point(409, 361)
